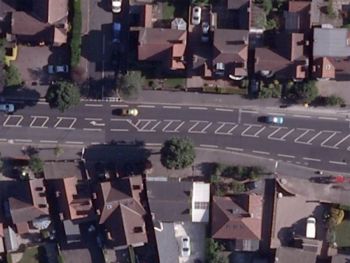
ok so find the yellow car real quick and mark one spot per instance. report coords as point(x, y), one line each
point(126, 112)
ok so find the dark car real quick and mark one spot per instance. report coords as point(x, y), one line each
point(100, 170)
point(117, 28)
point(254, 87)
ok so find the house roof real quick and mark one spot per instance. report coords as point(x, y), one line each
point(267, 59)
point(237, 217)
point(167, 244)
point(25, 24)
point(292, 255)
point(236, 4)
point(121, 211)
point(323, 68)
point(28, 201)
point(169, 201)
point(161, 44)
point(200, 202)
point(290, 45)
point(57, 10)
point(297, 17)
point(331, 42)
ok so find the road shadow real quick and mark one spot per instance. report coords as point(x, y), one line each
point(29, 97)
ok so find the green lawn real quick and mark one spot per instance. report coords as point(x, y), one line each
point(31, 255)
point(168, 11)
point(342, 234)
point(174, 82)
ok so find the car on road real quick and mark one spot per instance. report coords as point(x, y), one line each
point(117, 28)
point(116, 6)
point(7, 107)
point(205, 32)
point(196, 15)
point(271, 119)
point(126, 112)
point(311, 227)
point(53, 69)
point(185, 246)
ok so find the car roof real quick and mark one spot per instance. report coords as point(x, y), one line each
point(117, 26)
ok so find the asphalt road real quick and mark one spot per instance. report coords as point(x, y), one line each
point(314, 141)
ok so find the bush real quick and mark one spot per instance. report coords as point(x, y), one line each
point(330, 10)
point(272, 90)
point(36, 164)
point(334, 100)
point(267, 6)
point(213, 250)
point(63, 95)
point(130, 84)
point(302, 92)
point(75, 42)
point(237, 187)
point(336, 216)
point(12, 76)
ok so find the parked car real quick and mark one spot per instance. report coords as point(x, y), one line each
point(7, 107)
point(116, 6)
point(254, 88)
point(52, 69)
point(117, 27)
point(196, 15)
point(126, 112)
point(271, 119)
point(185, 246)
point(311, 227)
point(205, 32)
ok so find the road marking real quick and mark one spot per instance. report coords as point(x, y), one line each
point(171, 122)
point(300, 136)
point(119, 105)
point(249, 111)
point(284, 136)
point(209, 146)
point(281, 138)
point(249, 127)
point(70, 127)
point(239, 115)
point(329, 138)
point(153, 144)
point(311, 159)
point(229, 132)
point(73, 142)
point(221, 109)
point(314, 137)
point(119, 130)
point(339, 163)
point(328, 118)
point(144, 123)
point(43, 102)
point(276, 114)
point(171, 107)
point(301, 116)
point(39, 117)
point(92, 129)
point(93, 105)
point(234, 149)
point(338, 143)
point(261, 152)
point(95, 143)
point(3, 140)
point(208, 124)
point(93, 119)
point(23, 140)
point(13, 125)
point(146, 106)
point(198, 108)
point(285, 155)
point(48, 141)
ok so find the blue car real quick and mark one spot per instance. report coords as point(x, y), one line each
point(117, 28)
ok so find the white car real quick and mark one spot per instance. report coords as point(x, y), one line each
point(196, 15)
point(185, 246)
point(311, 227)
point(116, 6)
point(52, 69)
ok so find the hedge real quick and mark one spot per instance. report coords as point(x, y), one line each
point(75, 43)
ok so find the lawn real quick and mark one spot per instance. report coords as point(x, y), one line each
point(168, 11)
point(175, 82)
point(31, 255)
point(342, 234)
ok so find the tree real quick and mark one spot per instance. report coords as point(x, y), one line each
point(267, 6)
point(58, 151)
point(36, 164)
point(177, 153)
point(213, 252)
point(330, 10)
point(130, 84)
point(63, 95)
point(307, 91)
point(12, 76)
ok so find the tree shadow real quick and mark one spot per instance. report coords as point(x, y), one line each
point(29, 96)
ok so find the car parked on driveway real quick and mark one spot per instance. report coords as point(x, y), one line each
point(52, 69)
point(7, 107)
point(196, 15)
point(116, 6)
point(205, 32)
point(117, 28)
point(185, 246)
point(311, 227)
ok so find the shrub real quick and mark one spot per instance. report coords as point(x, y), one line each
point(63, 95)
point(334, 100)
point(237, 187)
point(12, 76)
point(336, 216)
point(130, 84)
point(75, 43)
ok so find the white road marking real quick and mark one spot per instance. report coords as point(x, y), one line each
point(92, 129)
point(234, 149)
point(119, 130)
point(208, 124)
point(93, 105)
point(301, 116)
point(284, 136)
point(146, 106)
point(229, 132)
point(285, 155)
point(209, 146)
point(311, 159)
point(73, 142)
point(48, 141)
point(153, 144)
point(239, 115)
point(171, 107)
point(93, 119)
point(221, 109)
point(43, 102)
point(169, 122)
point(329, 138)
point(339, 163)
point(249, 111)
point(328, 118)
point(249, 127)
point(3, 140)
point(314, 137)
point(198, 108)
point(259, 131)
point(23, 140)
point(95, 143)
point(261, 152)
point(70, 127)
point(276, 114)
point(118, 105)
point(46, 119)
point(144, 123)
point(341, 141)
point(20, 118)
point(303, 134)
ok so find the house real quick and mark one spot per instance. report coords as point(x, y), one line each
point(237, 220)
point(119, 206)
point(292, 255)
point(286, 59)
point(230, 53)
point(164, 45)
point(44, 22)
point(297, 17)
point(340, 258)
point(240, 12)
point(331, 53)
point(27, 207)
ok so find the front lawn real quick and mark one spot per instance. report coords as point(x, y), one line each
point(31, 255)
point(168, 11)
point(342, 234)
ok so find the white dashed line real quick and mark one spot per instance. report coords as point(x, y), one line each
point(311, 159)
point(119, 130)
point(93, 119)
point(301, 116)
point(335, 162)
point(198, 108)
point(119, 105)
point(276, 114)
point(234, 149)
point(153, 144)
point(286, 155)
point(208, 146)
point(48, 141)
point(95, 143)
point(221, 109)
point(23, 140)
point(328, 118)
point(74, 142)
point(92, 129)
point(171, 107)
point(93, 105)
point(43, 102)
point(261, 152)
point(3, 140)
point(146, 106)
point(249, 111)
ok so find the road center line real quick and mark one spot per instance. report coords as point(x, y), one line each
point(261, 152)
point(198, 108)
point(328, 118)
point(311, 159)
point(276, 114)
point(92, 129)
point(74, 142)
point(48, 141)
point(153, 144)
point(171, 107)
point(23, 140)
point(93, 105)
point(234, 149)
point(249, 111)
point(301, 116)
point(119, 130)
point(146, 106)
point(285, 155)
point(208, 146)
point(335, 162)
point(221, 109)
point(93, 119)
point(119, 105)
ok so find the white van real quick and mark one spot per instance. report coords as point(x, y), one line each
point(311, 227)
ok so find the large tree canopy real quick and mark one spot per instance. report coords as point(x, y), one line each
point(63, 95)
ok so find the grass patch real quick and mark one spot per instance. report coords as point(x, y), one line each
point(31, 255)
point(168, 11)
point(224, 90)
point(342, 234)
point(75, 42)
point(175, 82)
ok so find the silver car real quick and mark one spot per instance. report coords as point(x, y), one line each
point(7, 107)
point(52, 69)
point(196, 15)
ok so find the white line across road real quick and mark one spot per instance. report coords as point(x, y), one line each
point(234, 149)
point(339, 163)
point(261, 152)
point(222, 109)
point(311, 159)
point(171, 107)
point(209, 146)
point(146, 106)
point(198, 108)
point(285, 155)
point(93, 105)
